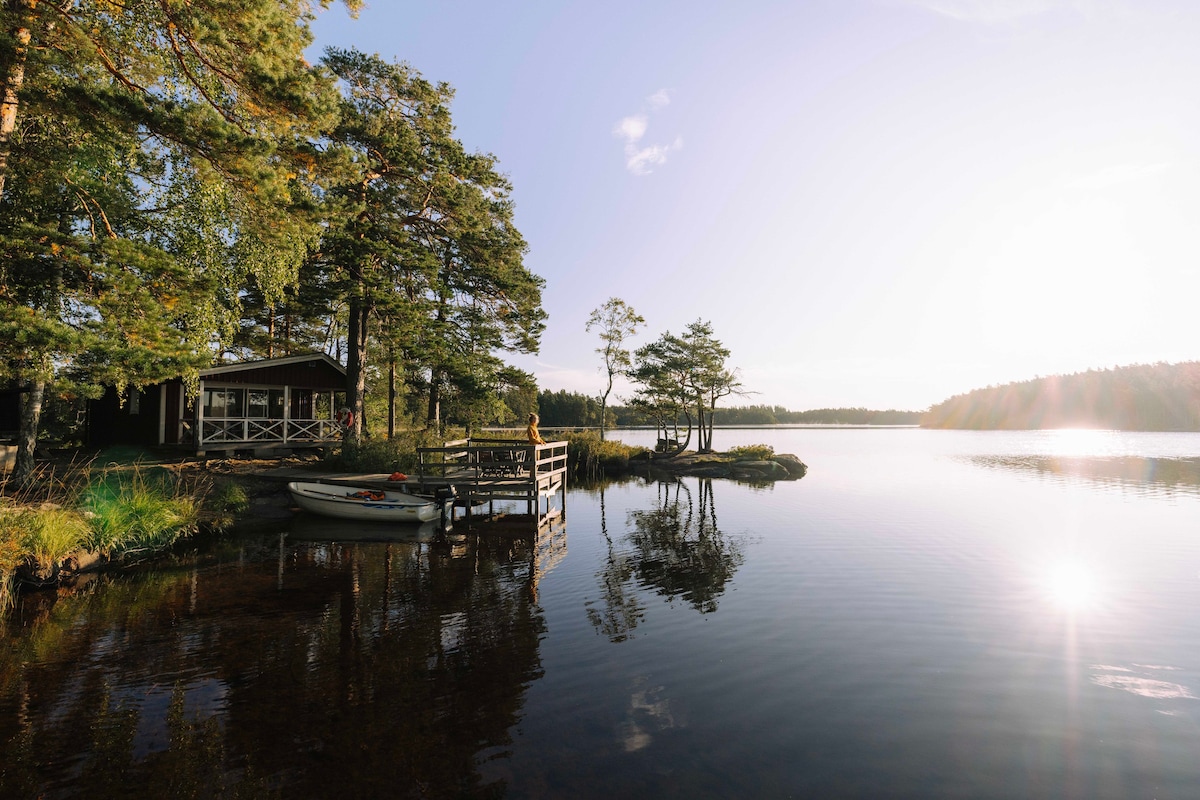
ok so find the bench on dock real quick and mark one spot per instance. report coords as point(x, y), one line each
point(501, 463)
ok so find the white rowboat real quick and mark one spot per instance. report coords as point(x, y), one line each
point(359, 503)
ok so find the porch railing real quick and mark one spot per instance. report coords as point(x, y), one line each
point(259, 431)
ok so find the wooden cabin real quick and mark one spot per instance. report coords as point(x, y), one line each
point(268, 405)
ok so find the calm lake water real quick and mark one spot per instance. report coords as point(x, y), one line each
point(927, 614)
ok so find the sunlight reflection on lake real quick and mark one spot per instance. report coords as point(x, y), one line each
point(1072, 586)
point(925, 614)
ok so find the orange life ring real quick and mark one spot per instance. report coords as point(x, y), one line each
point(345, 418)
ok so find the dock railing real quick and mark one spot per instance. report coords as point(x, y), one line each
point(495, 469)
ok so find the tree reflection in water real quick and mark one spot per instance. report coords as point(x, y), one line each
point(675, 549)
point(299, 670)
point(1134, 474)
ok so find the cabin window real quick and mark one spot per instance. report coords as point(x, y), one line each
point(220, 403)
point(264, 403)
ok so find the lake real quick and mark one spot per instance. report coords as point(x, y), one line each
point(927, 614)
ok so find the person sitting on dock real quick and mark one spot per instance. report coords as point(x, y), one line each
point(532, 431)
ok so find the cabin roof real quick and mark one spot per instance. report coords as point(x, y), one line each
point(244, 366)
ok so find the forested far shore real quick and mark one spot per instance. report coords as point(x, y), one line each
point(1140, 397)
point(574, 409)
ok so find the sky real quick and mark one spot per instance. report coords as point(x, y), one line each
point(876, 203)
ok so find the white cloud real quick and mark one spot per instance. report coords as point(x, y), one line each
point(631, 129)
point(639, 159)
point(659, 99)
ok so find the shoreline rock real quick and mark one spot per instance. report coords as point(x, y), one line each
point(779, 467)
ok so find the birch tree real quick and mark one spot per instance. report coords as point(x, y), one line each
point(616, 321)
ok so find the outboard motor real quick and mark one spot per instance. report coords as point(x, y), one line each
point(445, 497)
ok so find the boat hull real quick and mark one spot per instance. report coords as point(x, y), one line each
point(339, 502)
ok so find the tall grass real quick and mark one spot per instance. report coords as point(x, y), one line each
point(117, 512)
point(132, 512)
point(10, 557)
point(50, 534)
point(590, 456)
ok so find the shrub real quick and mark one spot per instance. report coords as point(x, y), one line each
point(589, 455)
point(752, 452)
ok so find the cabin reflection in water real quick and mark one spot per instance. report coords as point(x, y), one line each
point(675, 549)
point(303, 669)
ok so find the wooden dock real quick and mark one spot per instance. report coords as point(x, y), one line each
point(484, 471)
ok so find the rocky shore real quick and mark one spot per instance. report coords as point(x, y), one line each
point(779, 467)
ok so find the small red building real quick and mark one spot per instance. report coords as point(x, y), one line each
point(274, 403)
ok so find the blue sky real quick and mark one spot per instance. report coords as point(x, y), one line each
point(876, 203)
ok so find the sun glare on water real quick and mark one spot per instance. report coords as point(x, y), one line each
point(1072, 586)
point(1079, 442)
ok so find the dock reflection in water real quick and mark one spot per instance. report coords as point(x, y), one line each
point(278, 667)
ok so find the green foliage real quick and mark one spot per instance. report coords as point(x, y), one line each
point(153, 164)
point(420, 249)
point(778, 415)
point(387, 455)
point(752, 452)
point(137, 511)
point(616, 321)
point(590, 456)
point(679, 375)
point(563, 409)
point(230, 497)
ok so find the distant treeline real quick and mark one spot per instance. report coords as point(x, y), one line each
point(572, 409)
point(1143, 397)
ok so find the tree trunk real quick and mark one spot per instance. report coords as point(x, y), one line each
point(14, 78)
point(433, 414)
point(391, 424)
point(356, 364)
point(604, 404)
point(31, 415)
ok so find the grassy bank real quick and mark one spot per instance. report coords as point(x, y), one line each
point(589, 456)
point(116, 514)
